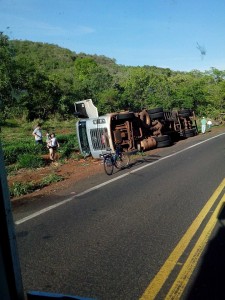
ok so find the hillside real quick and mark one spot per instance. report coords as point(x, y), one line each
point(41, 81)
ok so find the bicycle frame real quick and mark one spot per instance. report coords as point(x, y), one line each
point(112, 160)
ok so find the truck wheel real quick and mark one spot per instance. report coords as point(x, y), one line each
point(184, 113)
point(156, 116)
point(189, 132)
point(162, 138)
point(126, 116)
point(162, 141)
point(155, 110)
point(195, 130)
point(163, 144)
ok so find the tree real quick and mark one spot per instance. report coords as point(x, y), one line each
point(135, 87)
point(6, 76)
point(108, 101)
point(90, 79)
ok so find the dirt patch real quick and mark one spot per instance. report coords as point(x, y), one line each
point(71, 171)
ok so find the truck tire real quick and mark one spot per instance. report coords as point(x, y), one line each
point(189, 133)
point(161, 138)
point(155, 110)
point(184, 113)
point(156, 116)
point(162, 141)
point(125, 116)
point(164, 144)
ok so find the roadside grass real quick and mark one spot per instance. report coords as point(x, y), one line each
point(21, 188)
point(20, 150)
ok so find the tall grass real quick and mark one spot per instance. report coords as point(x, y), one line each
point(19, 146)
point(21, 188)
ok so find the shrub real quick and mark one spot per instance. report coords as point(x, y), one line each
point(13, 151)
point(51, 178)
point(65, 138)
point(30, 161)
point(66, 151)
point(19, 189)
point(68, 143)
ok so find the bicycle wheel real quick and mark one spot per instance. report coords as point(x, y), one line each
point(122, 161)
point(108, 165)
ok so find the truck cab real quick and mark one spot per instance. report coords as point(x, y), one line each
point(96, 134)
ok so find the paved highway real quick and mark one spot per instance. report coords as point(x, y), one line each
point(143, 235)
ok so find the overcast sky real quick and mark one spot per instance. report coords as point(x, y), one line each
point(177, 34)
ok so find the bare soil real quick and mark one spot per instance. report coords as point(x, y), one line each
point(72, 171)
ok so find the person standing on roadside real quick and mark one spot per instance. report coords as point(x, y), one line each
point(203, 124)
point(37, 133)
point(53, 145)
point(209, 123)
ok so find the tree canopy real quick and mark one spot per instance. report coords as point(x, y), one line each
point(38, 80)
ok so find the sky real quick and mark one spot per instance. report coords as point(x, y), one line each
point(182, 35)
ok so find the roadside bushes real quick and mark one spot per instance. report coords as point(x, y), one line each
point(28, 154)
point(29, 160)
point(68, 144)
point(14, 150)
point(20, 188)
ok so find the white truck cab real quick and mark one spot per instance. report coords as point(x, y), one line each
point(96, 134)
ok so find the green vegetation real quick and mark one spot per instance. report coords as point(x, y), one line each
point(42, 81)
point(51, 178)
point(20, 188)
point(20, 150)
point(39, 83)
point(30, 161)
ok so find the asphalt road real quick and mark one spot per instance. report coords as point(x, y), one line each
point(110, 242)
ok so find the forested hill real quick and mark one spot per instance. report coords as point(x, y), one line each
point(38, 80)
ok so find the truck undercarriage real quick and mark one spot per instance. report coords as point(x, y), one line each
point(140, 131)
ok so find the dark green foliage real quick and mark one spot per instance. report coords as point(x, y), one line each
point(66, 138)
point(14, 150)
point(39, 80)
point(68, 144)
point(20, 188)
point(24, 153)
point(51, 178)
point(30, 161)
point(7, 79)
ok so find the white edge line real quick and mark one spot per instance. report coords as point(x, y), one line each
point(42, 211)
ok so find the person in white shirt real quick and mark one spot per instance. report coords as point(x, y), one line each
point(209, 123)
point(37, 134)
point(53, 145)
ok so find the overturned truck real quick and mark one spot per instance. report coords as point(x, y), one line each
point(140, 131)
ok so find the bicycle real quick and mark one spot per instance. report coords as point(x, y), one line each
point(119, 159)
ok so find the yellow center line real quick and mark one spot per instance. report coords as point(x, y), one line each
point(160, 278)
point(183, 277)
